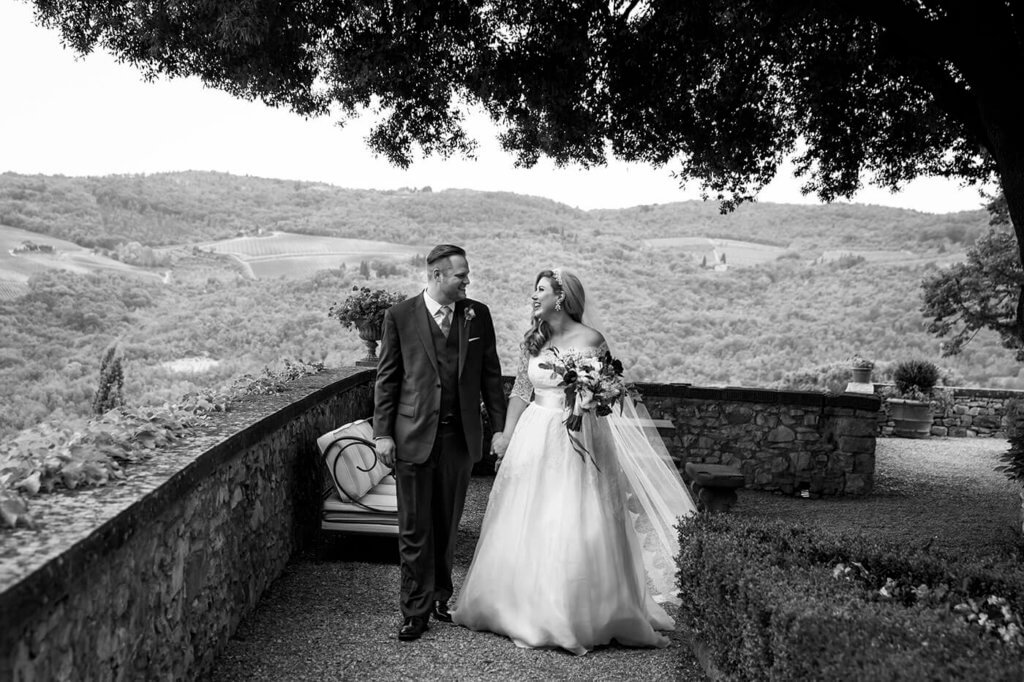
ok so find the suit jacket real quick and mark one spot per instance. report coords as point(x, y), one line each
point(407, 395)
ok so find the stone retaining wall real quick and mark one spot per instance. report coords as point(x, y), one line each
point(149, 579)
point(965, 412)
point(782, 440)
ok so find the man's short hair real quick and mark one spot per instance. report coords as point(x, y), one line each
point(444, 251)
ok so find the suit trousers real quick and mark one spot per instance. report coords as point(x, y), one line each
point(431, 497)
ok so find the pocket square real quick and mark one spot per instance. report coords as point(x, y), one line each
point(475, 338)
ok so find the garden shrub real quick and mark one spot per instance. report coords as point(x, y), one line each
point(916, 376)
point(78, 453)
point(772, 600)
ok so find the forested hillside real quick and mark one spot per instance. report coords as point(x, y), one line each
point(181, 208)
point(790, 320)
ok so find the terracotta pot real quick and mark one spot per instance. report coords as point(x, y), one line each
point(862, 375)
point(912, 418)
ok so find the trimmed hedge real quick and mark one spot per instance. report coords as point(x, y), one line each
point(778, 601)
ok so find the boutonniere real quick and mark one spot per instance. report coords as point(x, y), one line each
point(469, 314)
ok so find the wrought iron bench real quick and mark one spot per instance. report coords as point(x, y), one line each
point(359, 494)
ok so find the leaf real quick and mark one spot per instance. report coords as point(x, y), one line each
point(12, 508)
point(31, 483)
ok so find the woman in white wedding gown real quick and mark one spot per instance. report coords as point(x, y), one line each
point(573, 552)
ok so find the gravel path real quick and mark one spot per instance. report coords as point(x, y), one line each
point(939, 490)
point(336, 617)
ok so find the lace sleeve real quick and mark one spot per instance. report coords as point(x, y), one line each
point(523, 387)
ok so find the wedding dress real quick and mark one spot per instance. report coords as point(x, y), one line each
point(567, 556)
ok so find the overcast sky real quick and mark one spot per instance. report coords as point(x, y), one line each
point(93, 116)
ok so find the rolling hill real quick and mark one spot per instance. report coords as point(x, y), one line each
point(792, 302)
point(283, 254)
point(18, 263)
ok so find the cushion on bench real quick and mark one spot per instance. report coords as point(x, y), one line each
point(349, 517)
point(350, 458)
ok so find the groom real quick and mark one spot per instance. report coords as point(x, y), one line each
point(437, 359)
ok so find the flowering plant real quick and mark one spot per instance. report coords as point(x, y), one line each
point(858, 362)
point(364, 304)
point(592, 384)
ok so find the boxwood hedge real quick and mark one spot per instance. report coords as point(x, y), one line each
point(771, 600)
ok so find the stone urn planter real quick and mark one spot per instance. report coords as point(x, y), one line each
point(364, 309)
point(370, 331)
point(912, 418)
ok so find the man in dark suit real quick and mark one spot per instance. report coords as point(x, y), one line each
point(437, 360)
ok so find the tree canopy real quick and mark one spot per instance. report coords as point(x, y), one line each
point(895, 88)
point(725, 90)
point(980, 293)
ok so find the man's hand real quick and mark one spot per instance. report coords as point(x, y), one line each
point(386, 451)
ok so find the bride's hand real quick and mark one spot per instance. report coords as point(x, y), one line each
point(498, 444)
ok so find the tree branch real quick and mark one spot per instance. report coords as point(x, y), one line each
point(629, 10)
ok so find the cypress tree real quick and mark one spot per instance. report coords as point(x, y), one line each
point(110, 393)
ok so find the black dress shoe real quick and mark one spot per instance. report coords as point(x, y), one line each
point(441, 612)
point(412, 628)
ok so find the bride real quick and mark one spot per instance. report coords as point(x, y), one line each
point(574, 552)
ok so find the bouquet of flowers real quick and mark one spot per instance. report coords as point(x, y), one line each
point(592, 384)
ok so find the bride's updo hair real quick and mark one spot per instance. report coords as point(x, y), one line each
point(566, 285)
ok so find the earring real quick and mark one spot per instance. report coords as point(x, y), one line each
point(558, 304)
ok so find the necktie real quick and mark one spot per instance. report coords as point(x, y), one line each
point(446, 321)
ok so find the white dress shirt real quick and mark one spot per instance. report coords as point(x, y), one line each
point(434, 308)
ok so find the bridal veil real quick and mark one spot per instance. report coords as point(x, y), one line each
point(657, 496)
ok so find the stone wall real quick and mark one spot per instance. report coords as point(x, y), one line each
point(782, 440)
point(149, 579)
point(959, 412)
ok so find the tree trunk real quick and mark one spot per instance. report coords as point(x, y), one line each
point(1012, 181)
point(1006, 144)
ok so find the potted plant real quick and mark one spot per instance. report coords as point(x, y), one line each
point(861, 369)
point(912, 410)
point(364, 309)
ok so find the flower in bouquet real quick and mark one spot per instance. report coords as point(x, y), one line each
point(592, 384)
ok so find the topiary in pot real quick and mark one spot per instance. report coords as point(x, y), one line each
point(915, 379)
point(911, 413)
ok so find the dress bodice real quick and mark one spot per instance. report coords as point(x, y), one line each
point(543, 382)
point(546, 389)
